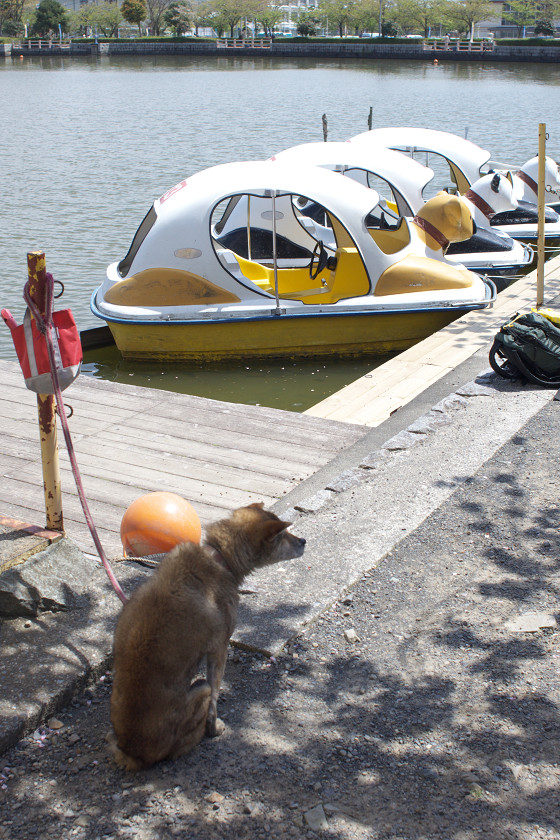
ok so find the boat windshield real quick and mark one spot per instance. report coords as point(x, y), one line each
point(250, 227)
point(145, 226)
point(288, 246)
point(388, 193)
point(447, 175)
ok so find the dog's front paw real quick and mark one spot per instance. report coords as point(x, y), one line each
point(215, 727)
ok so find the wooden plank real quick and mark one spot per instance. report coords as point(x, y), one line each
point(371, 399)
point(98, 477)
point(271, 464)
point(130, 441)
point(92, 399)
point(213, 413)
point(247, 443)
point(176, 469)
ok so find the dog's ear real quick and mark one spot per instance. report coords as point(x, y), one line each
point(495, 183)
point(510, 178)
point(257, 505)
point(272, 527)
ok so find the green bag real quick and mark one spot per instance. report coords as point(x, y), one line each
point(528, 347)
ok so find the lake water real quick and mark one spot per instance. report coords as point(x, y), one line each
point(87, 144)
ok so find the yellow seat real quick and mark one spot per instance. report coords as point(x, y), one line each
point(348, 279)
point(292, 282)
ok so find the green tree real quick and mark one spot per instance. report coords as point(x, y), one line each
point(308, 23)
point(134, 11)
point(341, 14)
point(82, 20)
point(367, 15)
point(521, 13)
point(201, 14)
point(229, 13)
point(419, 15)
point(265, 15)
point(50, 14)
point(155, 15)
point(545, 26)
point(465, 14)
point(179, 17)
point(107, 17)
point(15, 14)
point(10, 16)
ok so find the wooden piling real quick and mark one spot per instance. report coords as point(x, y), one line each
point(46, 407)
point(541, 212)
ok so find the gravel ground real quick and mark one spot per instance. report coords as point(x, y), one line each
point(423, 704)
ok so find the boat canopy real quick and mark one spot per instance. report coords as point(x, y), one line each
point(182, 225)
point(465, 159)
point(404, 177)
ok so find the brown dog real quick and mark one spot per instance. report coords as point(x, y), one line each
point(184, 614)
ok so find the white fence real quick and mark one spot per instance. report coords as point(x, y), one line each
point(243, 43)
point(454, 45)
point(43, 44)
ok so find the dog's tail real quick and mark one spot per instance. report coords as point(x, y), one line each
point(127, 762)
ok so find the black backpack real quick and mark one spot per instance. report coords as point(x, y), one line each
point(528, 347)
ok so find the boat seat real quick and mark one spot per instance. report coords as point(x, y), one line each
point(292, 282)
point(348, 279)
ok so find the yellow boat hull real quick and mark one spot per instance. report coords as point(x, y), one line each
point(278, 337)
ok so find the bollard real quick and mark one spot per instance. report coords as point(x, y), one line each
point(46, 407)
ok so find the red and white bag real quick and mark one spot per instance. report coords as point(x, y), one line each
point(31, 349)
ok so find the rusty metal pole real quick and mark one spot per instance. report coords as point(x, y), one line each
point(46, 407)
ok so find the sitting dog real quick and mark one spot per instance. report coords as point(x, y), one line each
point(185, 614)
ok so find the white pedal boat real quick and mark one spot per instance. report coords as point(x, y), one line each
point(187, 291)
point(401, 181)
point(467, 162)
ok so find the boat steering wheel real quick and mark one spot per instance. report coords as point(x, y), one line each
point(320, 254)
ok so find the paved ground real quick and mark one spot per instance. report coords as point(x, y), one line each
point(419, 699)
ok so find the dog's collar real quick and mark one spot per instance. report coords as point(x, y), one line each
point(479, 202)
point(528, 180)
point(432, 231)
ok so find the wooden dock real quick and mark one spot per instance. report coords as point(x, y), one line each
point(130, 441)
point(375, 396)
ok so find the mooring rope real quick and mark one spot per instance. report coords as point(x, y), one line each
point(45, 327)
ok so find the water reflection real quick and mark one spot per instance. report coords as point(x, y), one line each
point(287, 384)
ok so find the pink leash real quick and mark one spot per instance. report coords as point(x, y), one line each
point(45, 326)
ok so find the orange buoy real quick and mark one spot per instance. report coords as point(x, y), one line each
point(157, 522)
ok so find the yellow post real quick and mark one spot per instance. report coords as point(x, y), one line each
point(541, 209)
point(46, 407)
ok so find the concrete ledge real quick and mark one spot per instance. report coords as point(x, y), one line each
point(284, 49)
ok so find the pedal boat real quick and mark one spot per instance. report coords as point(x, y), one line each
point(466, 163)
point(401, 182)
point(186, 291)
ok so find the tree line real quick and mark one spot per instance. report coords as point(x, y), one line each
point(240, 17)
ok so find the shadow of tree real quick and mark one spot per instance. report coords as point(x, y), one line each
point(438, 722)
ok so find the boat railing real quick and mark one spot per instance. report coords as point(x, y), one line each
point(243, 43)
point(455, 45)
point(42, 44)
